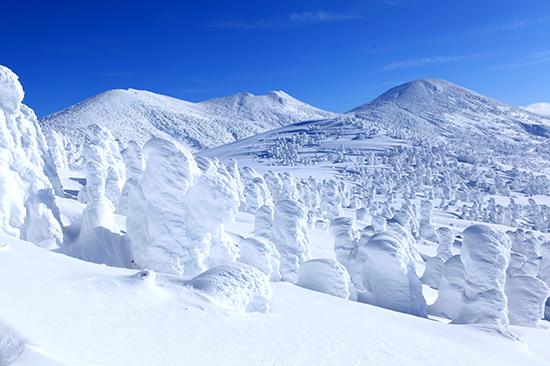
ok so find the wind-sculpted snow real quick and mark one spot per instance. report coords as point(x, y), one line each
point(485, 253)
point(345, 240)
point(526, 298)
point(141, 115)
point(263, 222)
point(262, 254)
point(290, 236)
point(210, 203)
point(56, 145)
point(235, 286)
point(104, 165)
point(163, 247)
point(12, 344)
point(389, 276)
point(256, 192)
point(27, 175)
point(99, 240)
point(434, 265)
point(135, 164)
point(426, 229)
point(451, 288)
point(176, 217)
point(16, 350)
point(324, 275)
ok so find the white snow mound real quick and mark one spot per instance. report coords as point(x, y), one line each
point(235, 286)
point(324, 275)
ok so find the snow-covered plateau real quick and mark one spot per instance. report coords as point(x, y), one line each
point(412, 230)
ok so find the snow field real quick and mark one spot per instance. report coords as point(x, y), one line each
point(370, 212)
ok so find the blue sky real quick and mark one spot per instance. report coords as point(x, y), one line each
point(335, 55)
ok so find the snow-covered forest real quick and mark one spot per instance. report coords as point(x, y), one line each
point(414, 229)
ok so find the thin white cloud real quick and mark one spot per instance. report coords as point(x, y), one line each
point(512, 26)
point(320, 16)
point(293, 19)
point(245, 25)
point(427, 61)
point(533, 59)
point(518, 24)
point(540, 108)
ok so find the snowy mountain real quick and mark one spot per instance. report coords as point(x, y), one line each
point(424, 112)
point(437, 109)
point(141, 115)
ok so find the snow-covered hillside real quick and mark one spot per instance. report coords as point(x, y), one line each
point(431, 109)
point(336, 241)
point(141, 115)
point(424, 113)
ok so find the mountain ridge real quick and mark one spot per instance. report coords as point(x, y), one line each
point(425, 112)
point(140, 115)
point(438, 99)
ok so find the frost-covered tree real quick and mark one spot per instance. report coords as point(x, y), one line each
point(135, 164)
point(324, 275)
point(175, 219)
point(262, 254)
point(451, 287)
point(291, 237)
point(99, 240)
point(389, 276)
point(345, 240)
point(28, 176)
point(485, 254)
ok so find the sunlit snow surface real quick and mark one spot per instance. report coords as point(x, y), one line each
point(141, 115)
point(59, 310)
point(83, 314)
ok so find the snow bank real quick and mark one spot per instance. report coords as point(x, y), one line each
point(290, 236)
point(235, 286)
point(12, 344)
point(262, 254)
point(485, 253)
point(27, 174)
point(16, 351)
point(324, 275)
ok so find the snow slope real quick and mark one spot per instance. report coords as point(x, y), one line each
point(59, 310)
point(438, 109)
point(78, 313)
point(140, 115)
point(425, 112)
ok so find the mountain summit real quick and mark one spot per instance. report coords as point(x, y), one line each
point(426, 112)
point(140, 115)
point(434, 107)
